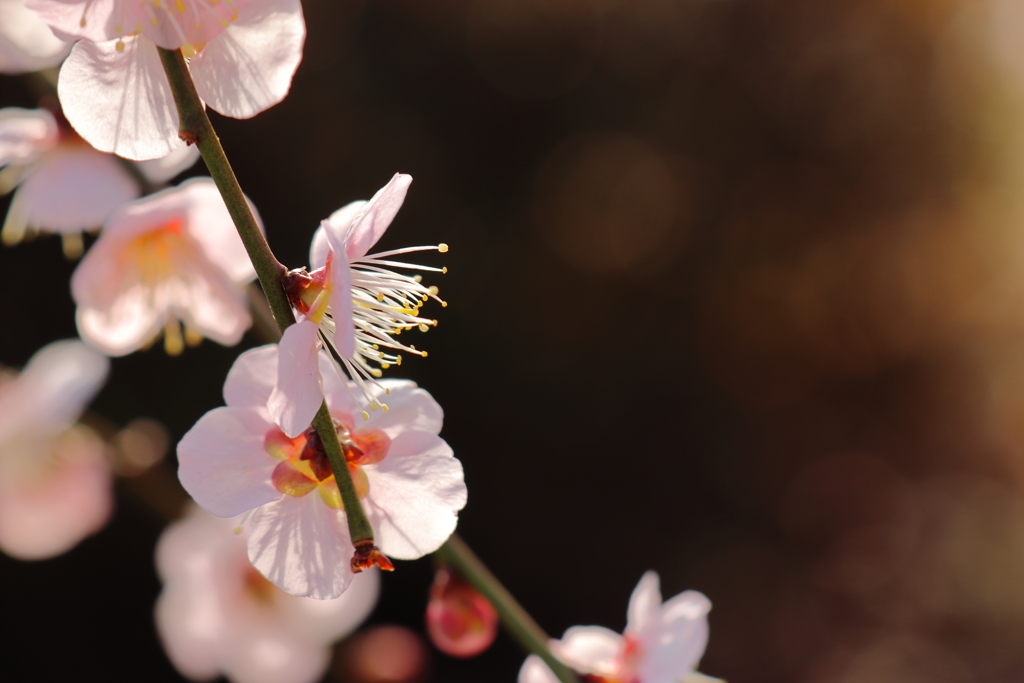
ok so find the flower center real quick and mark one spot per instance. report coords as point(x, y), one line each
point(305, 466)
point(188, 24)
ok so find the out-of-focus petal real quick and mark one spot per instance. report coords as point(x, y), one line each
point(249, 67)
point(52, 390)
point(26, 42)
point(414, 498)
point(676, 643)
point(320, 620)
point(210, 225)
point(590, 648)
point(166, 167)
point(534, 670)
point(70, 499)
point(119, 101)
point(25, 133)
point(302, 546)
point(318, 249)
point(74, 188)
point(376, 216)
point(74, 19)
point(128, 323)
point(222, 462)
point(644, 603)
point(299, 390)
point(338, 224)
point(266, 653)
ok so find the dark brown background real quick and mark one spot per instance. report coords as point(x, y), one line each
point(735, 294)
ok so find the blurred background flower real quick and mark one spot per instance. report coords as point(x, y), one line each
point(736, 293)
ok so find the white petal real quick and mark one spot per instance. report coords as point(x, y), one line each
point(73, 19)
point(210, 224)
point(324, 621)
point(340, 299)
point(222, 462)
point(52, 390)
point(252, 377)
point(71, 500)
point(25, 134)
point(676, 642)
point(376, 216)
point(409, 407)
point(119, 100)
point(166, 167)
point(338, 224)
point(302, 546)
point(299, 391)
point(129, 322)
point(74, 188)
point(260, 651)
point(591, 649)
point(207, 301)
point(26, 42)
point(415, 495)
point(644, 603)
point(534, 670)
point(249, 67)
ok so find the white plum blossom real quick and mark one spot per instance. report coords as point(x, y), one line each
point(218, 615)
point(26, 42)
point(242, 55)
point(63, 185)
point(352, 303)
point(55, 483)
point(170, 256)
point(236, 460)
point(662, 643)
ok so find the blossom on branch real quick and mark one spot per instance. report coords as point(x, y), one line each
point(55, 484)
point(242, 55)
point(170, 256)
point(354, 304)
point(64, 186)
point(662, 643)
point(26, 42)
point(217, 614)
point(236, 460)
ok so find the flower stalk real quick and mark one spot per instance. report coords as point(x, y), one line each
point(195, 128)
point(516, 621)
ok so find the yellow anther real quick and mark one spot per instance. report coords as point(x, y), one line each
point(433, 290)
point(423, 354)
point(376, 372)
point(380, 355)
point(385, 365)
point(443, 248)
point(417, 278)
point(119, 46)
point(192, 338)
point(398, 360)
point(153, 21)
point(173, 343)
point(188, 51)
point(366, 415)
point(82, 22)
point(118, 29)
point(375, 347)
point(224, 22)
point(384, 406)
point(387, 391)
point(374, 405)
point(237, 530)
point(444, 271)
point(444, 304)
point(380, 297)
point(423, 328)
point(181, 7)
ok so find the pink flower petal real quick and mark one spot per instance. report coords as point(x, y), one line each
point(26, 42)
point(675, 643)
point(644, 603)
point(210, 224)
point(166, 167)
point(534, 670)
point(119, 100)
point(222, 462)
point(249, 67)
point(338, 224)
point(591, 649)
point(74, 19)
point(74, 188)
point(299, 391)
point(122, 327)
point(252, 378)
point(70, 499)
point(415, 495)
point(205, 299)
point(376, 216)
point(302, 546)
point(25, 134)
point(340, 300)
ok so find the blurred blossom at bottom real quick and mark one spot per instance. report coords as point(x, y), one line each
point(384, 654)
point(55, 483)
point(460, 621)
point(218, 615)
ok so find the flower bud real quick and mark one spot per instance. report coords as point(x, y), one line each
point(460, 621)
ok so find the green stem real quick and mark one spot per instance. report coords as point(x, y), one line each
point(195, 128)
point(519, 624)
